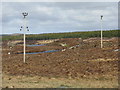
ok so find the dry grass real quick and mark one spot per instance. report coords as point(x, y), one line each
point(104, 60)
point(45, 41)
point(45, 82)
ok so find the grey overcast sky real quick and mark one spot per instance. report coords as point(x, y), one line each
point(53, 17)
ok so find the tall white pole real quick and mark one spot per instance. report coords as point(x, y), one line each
point(24, 39)
point(101, 33)
point(25, 28)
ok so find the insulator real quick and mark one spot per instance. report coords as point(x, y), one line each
point(21, 27)
point(27, 29)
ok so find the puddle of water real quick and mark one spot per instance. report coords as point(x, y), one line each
point(33, 45)
point(41, 52)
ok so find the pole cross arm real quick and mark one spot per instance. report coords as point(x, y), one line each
point(25, 14)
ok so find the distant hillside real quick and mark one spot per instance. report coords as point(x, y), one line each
point(15, 34)
point(88, 34)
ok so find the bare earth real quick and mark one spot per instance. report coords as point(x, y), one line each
point(80, 64)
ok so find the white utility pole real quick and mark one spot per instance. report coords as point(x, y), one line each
point(25, 28)
point(101, 33)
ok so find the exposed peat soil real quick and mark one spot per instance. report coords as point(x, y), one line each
point(87, 60)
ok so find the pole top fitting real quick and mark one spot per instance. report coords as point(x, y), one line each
point(25, 14)
point(101, 17)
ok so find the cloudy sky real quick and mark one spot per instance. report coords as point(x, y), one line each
point(53, 17)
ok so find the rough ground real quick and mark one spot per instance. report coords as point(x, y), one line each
point(46, 82)
point(86, 62)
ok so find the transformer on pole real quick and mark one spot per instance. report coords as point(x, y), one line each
point(101, 32)
point(25, 28)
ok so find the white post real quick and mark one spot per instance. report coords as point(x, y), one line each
point(25, 28)
point(24, 39)
point(101, 33)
